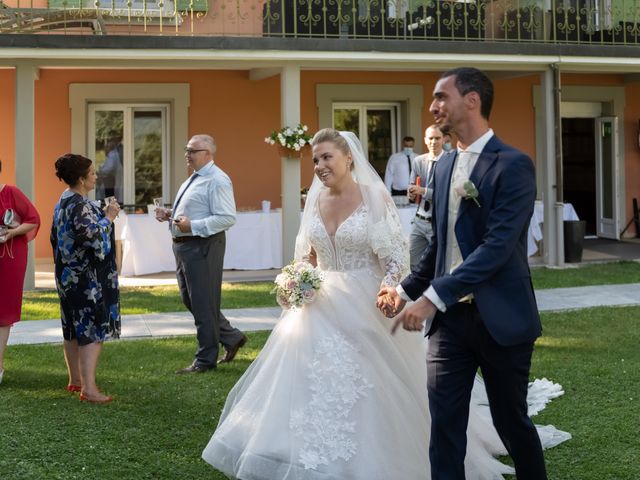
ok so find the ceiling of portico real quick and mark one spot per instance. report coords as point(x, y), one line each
point(501, 60)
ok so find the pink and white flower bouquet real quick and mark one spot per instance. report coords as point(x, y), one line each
point(297, 284)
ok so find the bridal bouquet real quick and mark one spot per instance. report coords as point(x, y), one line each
point(297, 284)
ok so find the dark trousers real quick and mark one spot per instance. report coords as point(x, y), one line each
point(459, 343)
point(199, 264)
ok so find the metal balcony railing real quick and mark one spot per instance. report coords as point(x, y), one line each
point(592, 22)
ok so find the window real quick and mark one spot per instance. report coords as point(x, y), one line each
point(130, 146)
point(376, 124)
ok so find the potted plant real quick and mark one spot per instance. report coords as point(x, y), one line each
point(289, 139)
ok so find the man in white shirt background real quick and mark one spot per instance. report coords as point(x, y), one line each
point(423, 167)
point(398, 171)
point(204, 209)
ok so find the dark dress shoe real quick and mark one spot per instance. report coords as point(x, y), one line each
point(193, 368)
point(230, 352)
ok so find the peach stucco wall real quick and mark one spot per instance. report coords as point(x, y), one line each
point(7, 122)
point(515, 95)
point(239, 113)
point(631, 150)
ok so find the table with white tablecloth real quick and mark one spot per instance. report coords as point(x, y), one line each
point(253, 243)
point(146, 245)
point(537, 219)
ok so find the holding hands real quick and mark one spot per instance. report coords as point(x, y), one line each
point(389, 302)
point(412, 319)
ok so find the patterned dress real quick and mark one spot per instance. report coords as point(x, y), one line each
point(85, 270)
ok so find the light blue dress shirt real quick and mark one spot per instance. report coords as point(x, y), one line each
point(208, 203)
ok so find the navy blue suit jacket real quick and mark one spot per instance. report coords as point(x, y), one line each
point(493, 243)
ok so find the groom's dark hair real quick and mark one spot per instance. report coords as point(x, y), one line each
point(469, 79)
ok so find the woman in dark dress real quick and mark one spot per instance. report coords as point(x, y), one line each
point(86, 276)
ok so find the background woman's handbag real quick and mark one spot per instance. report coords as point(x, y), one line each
point(10, 218)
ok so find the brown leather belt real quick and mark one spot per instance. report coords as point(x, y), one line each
point(185, 238)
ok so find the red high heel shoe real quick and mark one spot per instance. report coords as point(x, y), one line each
point(84, 398)
point(73, 388)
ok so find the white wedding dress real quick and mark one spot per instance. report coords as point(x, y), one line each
point(333, 395)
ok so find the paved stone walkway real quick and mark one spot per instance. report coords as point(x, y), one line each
point(251, 319)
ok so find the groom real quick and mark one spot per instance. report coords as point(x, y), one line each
point(473, 285)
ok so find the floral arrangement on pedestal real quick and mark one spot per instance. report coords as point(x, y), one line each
point(289, 137)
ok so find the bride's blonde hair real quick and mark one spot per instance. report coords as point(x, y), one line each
point(332, 135)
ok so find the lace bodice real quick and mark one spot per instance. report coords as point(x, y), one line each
point(351, 248)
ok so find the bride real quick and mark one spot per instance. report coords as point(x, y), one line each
point(333, 395)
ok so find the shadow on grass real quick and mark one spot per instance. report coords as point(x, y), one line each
point(156, 427)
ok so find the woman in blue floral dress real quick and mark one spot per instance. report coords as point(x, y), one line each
point(86, 276)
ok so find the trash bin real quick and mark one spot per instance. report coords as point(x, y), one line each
point(573, 240)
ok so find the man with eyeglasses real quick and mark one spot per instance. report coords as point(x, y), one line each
point(204, 209)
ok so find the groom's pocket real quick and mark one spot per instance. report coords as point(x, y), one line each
point(431, 326)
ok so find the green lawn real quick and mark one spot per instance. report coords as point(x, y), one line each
point(159, 422)
point(44, 304)
point(592, 274)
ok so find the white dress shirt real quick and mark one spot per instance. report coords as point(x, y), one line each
point(397, 173)
point(465, 161)
point(208, 202)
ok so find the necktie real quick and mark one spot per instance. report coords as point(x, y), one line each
point(409, 162)
point(431, 166)
point(193, 177)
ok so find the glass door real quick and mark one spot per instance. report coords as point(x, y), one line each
point(375, 124)
point(129, 145)
point(607, 200)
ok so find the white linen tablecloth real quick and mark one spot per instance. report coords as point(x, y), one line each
point(146, 245)
point(535, 232)
point(253, 243)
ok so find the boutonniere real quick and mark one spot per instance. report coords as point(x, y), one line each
point(468, 191)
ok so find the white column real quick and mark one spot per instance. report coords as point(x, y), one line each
point(548, 167)
point(25, 169)
point(290, 115)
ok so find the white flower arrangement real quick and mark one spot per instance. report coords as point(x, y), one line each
point(291, 138)
point(297, 284)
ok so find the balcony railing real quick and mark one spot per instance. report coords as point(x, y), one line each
point(593, 22)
